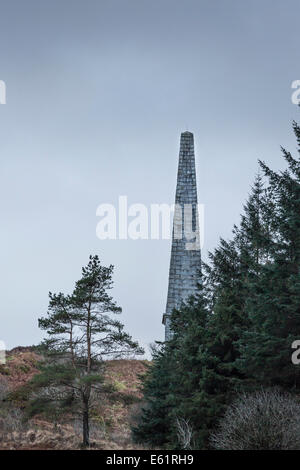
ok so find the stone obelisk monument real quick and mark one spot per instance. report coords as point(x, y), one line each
point(185, 253)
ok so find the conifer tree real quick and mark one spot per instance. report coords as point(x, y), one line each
point(82, 334)
point(238, 331)
point(154, 423)
point(173, 380)
point(273, 304)
point(199, 363)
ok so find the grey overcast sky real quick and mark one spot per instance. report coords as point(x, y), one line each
point(98, 92)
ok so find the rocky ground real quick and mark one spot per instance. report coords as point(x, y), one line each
point(110, 424)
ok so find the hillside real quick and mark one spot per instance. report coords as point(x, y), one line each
point(110, 423)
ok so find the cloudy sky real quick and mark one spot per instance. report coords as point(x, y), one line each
point(98, 92)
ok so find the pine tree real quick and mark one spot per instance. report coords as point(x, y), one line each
point(195, 375)
point(273, 304)
point(238, 331)
point(154, 422)
point(81, 334)
point(190, 396)
point(171, 385)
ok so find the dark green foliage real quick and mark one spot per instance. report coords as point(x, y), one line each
point(198, 387)
point(236, 334)
point(273, 303)
point(154, 425)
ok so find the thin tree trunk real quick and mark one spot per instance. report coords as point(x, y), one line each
point(88, 339)
point(85, 423)
point(86, 394)
point(72, 345)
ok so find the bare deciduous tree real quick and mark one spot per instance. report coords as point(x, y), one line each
point(264, 420)
point(184, 433)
